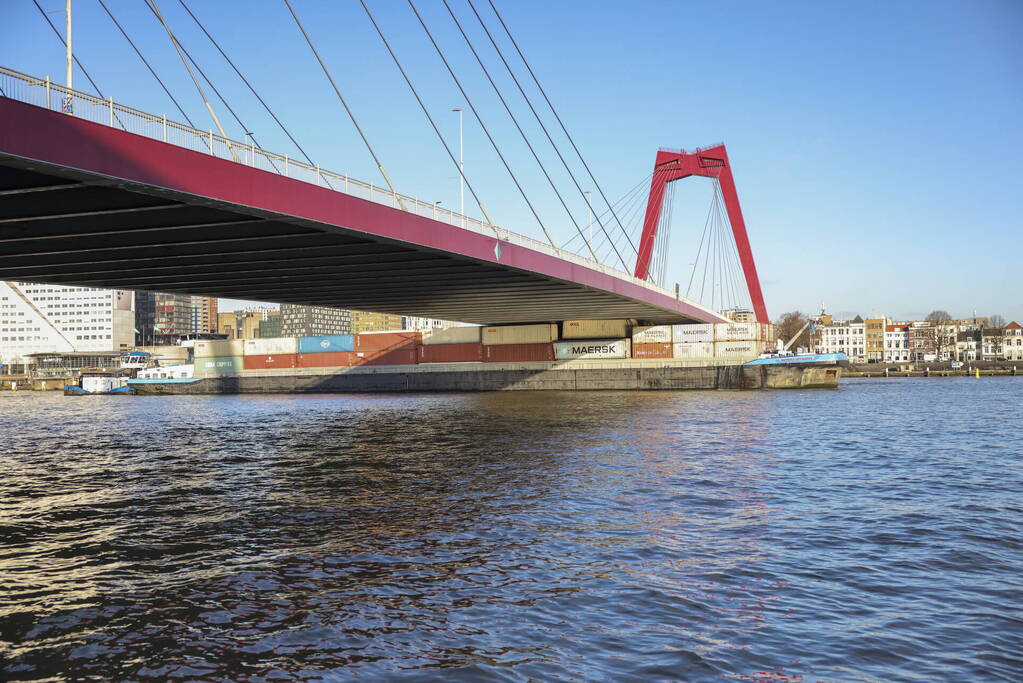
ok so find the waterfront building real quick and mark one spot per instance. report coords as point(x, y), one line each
point(204, 314)
point(40, 318)
point(740, 315)
point(922, 346)
point(874, 338)
point(227, 324)
point(270, 325)
point(162, 318)
point(896, 343)
point(411, 322)
point(366, 321)
point(991, 340)
point(845, 336)
point(306, 321)
point(1012, 341)
point(967, 344)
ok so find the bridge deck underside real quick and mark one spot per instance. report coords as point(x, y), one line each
point(64, 223)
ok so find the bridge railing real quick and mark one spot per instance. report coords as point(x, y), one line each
point(45, 93)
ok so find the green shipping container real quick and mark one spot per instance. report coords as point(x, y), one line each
point(211, 367)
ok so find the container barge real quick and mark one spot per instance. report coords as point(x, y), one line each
point(572, 356)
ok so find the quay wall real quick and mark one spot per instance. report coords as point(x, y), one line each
point(520, 377)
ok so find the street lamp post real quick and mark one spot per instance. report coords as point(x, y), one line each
point(461, 167)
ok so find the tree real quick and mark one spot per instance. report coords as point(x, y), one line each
point(789, 325)
point(995, 321)
point(943, 334)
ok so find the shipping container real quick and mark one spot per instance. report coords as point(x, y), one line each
point(591, 348)
point(656, 334)
point(452, 335)
point(218, 348)
point(521, 334)
point(739, 351)
point(594, 329)
point(206, 367)
point(451, 353)
point(327, 359)
point(387, 341)
point(326, 343)
point(273, 346)
point(517, 353)
point(271, 361)
point(692, 333)
point(652, 350)
point(693, 350)
point(724, 332)
point(385, 357)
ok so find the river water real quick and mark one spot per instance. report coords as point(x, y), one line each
point(867, 534)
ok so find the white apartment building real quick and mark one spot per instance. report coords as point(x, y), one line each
point(896, 344)
point(845, 336)
point(39, 318)
point(1012, 341)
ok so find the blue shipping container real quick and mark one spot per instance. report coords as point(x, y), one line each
point(326, 343)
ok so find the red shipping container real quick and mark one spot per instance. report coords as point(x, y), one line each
point(451, 353)
point(396, 357)
point(277, 360)
point(516, 353)
point(329, 359)
point(651, 350)
point(387, 341)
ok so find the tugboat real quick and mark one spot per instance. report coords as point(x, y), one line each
point(98, 383)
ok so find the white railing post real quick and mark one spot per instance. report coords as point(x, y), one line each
point(48, 106)
point(286, 166)
point(110, 101)
point(211, 142)
point(317, 174)
point(165, 128)
point(346, 184)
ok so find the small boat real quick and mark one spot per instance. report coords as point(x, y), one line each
point(99, 383)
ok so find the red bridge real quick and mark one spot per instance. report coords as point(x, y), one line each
point(112, 197)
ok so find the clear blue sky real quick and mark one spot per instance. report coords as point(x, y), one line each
point(875, 145)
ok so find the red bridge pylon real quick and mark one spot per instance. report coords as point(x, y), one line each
point(711, 162)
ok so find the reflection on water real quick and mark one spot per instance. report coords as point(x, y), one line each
point(866, 534)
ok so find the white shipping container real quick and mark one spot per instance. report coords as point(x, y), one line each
point(737, 332)
point(520, 334)
point(692, 333)
point(738, 350)
point(273, 346)
point(218, 347)
point(657, 334)
point(452, 335)
point(592, 348)
point(594, 329)
point(693, 350)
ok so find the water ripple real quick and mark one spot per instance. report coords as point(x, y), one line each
point(868, 534)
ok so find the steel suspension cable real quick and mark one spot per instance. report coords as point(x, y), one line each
point(625, 199)
point(429, 118)
point(699, 250)
point(344, 103)
point(555, 112)
point(246, 82)
point(539, 120)
point(486, 72)
point(479, 119)
point(145, 61)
